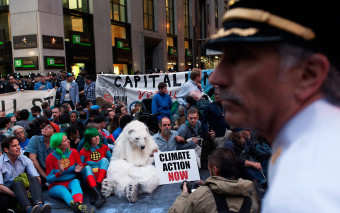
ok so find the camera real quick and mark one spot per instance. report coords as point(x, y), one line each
point(191, 185)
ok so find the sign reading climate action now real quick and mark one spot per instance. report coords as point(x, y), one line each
point(176, 166)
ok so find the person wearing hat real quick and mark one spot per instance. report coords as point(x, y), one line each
point(62, 166)
point(69, 91)
point(280, 74)
point(39, 147)
point(43, 84)
point(97, 157)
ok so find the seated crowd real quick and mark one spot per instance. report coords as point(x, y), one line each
point(54, 148)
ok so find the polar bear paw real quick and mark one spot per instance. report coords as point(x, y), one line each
point(107, 188)
point(131, 193)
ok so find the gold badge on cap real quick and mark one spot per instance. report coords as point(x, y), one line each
point(95, 156)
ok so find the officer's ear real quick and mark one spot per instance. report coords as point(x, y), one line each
point(311, 74)
point(215, 171)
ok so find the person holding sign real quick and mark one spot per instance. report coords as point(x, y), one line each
point(221, 191)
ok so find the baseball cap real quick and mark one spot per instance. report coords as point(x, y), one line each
point(54, 125)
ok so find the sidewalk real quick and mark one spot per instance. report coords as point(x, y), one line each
point(158, 202)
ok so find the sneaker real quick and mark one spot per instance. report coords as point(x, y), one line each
point(34, 209)
point(46, 208)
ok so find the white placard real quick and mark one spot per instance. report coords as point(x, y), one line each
point(176, 166)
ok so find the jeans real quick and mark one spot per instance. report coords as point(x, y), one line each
point(20, 192)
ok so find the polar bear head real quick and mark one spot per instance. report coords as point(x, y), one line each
point(137, 134)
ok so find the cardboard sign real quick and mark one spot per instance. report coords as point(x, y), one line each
point(176, 166)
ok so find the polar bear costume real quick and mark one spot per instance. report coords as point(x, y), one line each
point(131, 172)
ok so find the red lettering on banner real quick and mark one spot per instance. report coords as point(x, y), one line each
point(141, 94)
point(174, 96)
point(149, 94)
point(108, 98)
point(182, 175)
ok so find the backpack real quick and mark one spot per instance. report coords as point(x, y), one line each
point(222, 206)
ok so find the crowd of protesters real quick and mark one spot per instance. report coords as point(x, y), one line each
point(58, 140)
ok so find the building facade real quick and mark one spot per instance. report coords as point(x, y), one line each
point(110, 36)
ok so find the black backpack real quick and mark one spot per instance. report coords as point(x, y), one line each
point(222, 206)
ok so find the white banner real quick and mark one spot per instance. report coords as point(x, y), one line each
point(176, 166)
point(13, 101)
point(131, 88)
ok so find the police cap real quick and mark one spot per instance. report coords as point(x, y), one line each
point(309, 23)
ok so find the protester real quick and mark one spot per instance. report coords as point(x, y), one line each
point(69, 91)
point(221, 192)
point(14, 181)
point(279, 74)
point(89, 89)
point(5, 127)
point(61, 168)
point(95, 170)
point(39, 147)
point(20, 133)
point(24, 122)
point(35, 111)
point(72, 134)
point(123, 121)
point(166, 137)
point(55, 115)
point(161, 102)
point(194, 84)
point(43, 84)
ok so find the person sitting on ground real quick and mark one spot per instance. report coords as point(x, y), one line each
point(14, 180)
point(24, 122)
point(47, 113)
point(95, 170)
point(74, 115)
point(39, 147)
point(61, 168)
point(20, 133)
point(178, 118)
point(56, 112)
point(72, 134)
point(35, 111)
point(13, 118)
point(123, 121)
point(194, 84)
point(121, 109)
point(249, 155)
point(161, 102)
point(5, 127)
point(103, 140)
point(166, 137)
point(100, 120)
point(221, 192)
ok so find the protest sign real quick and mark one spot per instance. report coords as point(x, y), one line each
point(13, 101)
point(176, 166)
point(131, 88)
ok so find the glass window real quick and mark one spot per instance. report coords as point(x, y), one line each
point(148, 14)
point(118, 10)
point(74, 23)
point(4, 2)
point(216, 14)
point(117, 32)
point(78, 5)
point(170, 25)
point(169, 42)
point(186, 19)
point(5, 25)
point(186, 45)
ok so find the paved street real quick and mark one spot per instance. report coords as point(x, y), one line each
point(158, 202)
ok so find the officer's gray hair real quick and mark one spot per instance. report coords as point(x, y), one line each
point(292, 54)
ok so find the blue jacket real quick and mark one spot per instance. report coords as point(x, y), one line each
point(161, 103)
point(47, 85)
point(74, 92)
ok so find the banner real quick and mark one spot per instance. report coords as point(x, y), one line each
point(176, 166)
point(131, 88)
point(13, 101)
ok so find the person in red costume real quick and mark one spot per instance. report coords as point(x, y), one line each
point(96, 156)
point(61, 168)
